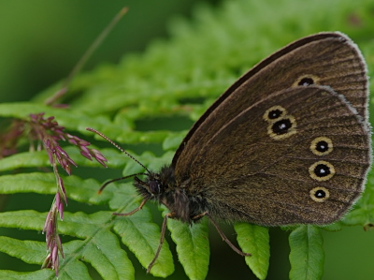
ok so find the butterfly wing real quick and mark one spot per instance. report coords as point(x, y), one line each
point(234, 157)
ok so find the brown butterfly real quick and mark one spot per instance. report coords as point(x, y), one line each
point(288, 143)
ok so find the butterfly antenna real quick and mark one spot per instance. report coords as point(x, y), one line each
point(118, 179)
point(119, 148)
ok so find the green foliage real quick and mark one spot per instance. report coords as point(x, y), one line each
point(171, 82)
point(307, 254)
point(255, 239)
point(193, 247)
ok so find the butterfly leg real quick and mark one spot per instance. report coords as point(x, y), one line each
point(133, 211)
point(162, 240)
point(222, 234)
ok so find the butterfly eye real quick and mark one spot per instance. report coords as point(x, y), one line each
point(319, 194)
point(155, 186)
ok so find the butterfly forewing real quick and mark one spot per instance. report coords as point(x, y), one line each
point(330, 59)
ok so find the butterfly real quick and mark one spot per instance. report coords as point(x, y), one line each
point(288, 143)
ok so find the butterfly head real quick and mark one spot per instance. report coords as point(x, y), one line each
point(151, 188)
point(163, 188)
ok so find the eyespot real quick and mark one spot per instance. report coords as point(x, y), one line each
point(321, 146)
point(321, 170)
point(306, 80)
point(274, 113)
point(319, 194)
point(283, 128)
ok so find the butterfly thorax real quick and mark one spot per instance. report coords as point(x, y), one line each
point(162, 187)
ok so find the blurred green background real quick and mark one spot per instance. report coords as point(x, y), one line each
point(40, 42)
